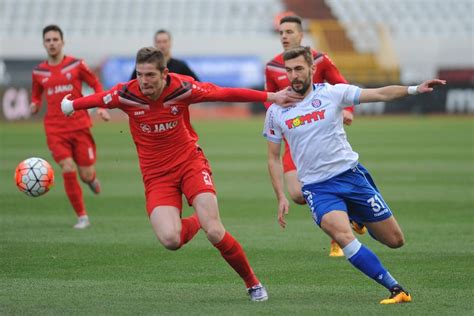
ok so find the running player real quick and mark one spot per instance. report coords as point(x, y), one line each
point(171, 162)
point(291, 35)
point(69, 138)
point(336, 186)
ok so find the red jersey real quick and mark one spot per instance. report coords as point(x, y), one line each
point(158, 127)
point(276, 78)
point(58, 81)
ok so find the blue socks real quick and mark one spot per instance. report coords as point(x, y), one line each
point(366, 261)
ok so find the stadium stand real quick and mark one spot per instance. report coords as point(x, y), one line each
point(106, 18)
point(403, 18)
point(96, 29)
point(377, 41)
point(371, 41)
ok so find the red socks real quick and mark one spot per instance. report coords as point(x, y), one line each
point(189, 228)
point(74, 192)
point(235, 256)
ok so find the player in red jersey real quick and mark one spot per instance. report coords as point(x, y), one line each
point(162, 41)
point(291, 35)
point(69, 138)
point(171, 162)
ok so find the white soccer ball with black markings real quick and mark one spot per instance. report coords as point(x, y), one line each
point(34, 176)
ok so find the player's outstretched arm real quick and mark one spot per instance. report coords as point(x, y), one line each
point(276, 174)
point(208, 92)
point(105, 99)
point(389, 93)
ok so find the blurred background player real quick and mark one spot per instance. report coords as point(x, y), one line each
point(162, 41)
point(336, 187)
point(291, 35)
point(171, 162)
point(69, 138)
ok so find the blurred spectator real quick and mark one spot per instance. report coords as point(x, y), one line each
point(162, 41)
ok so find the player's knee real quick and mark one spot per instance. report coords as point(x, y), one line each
point(343, 238)
point(340, 233)
point(397, 241)
point(394, 244)
point(171, 241)
point(215, 232)
point(68, 166)
point(171, 244)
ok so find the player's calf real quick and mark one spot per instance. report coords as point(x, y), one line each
point(95, 186)
point(88, 176)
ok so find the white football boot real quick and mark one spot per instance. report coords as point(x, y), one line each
point(82, 222)
point(258, 293)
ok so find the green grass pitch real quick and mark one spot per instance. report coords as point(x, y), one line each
point(424, 167)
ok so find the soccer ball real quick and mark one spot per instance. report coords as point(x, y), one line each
point(34, 176)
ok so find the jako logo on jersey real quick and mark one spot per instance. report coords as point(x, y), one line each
point(138, 113)
point(60, 89)
point(158, 128)
point(303, 119)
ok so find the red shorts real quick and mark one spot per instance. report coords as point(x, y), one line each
point(190, 178)
point(287, 161)
point(78, 145)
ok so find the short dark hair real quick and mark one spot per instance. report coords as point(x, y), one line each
point(162, 31)
point(292, 19)
point(304, 51)
point(52, 27)
point(151, 55)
